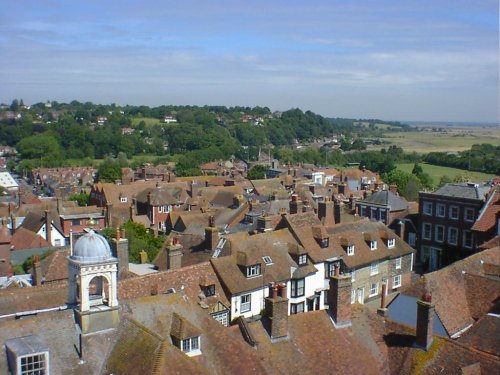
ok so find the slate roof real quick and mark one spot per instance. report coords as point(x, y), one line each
point(463, 190)
point(161, 195)
point(386, 198)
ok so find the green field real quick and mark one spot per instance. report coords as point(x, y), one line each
point(436, 172)
point(445, 139)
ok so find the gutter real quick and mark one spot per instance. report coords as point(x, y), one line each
point(21, 314)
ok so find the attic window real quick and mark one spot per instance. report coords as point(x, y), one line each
point(123, 199)
point(253, 270)
point(191, 346)
point(267, 260)
point(391, 242)
point(324, 243)
point(209, 290)
point(373, 245)
point(350, 250)
point(302, 259)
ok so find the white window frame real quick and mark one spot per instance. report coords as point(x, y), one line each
point(382, 215)
point(123, 199)
point(470, 211)
point(398, 263)
point(245, 303)
point(353, 296)
point(191, 345)
point(373, 245)
point(297, 308)
point(267, 260)
point(450, 230)
point(427, 208)
point(222, 318)
point(353, 275)
point(302, 259)
point(396, 282)
point(451, 214)
point(412, 239)
point(297, 288)
point(440, 210)
point(425, 235)
point(253, 271)
point(350, 250)
point(439, 230)
point(391, 242)
point(464, 239)
point(373, 289)
point(374, 268)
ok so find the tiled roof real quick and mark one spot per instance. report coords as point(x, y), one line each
point(26, 239)
point(386, 198)
point(182, 328)
point(55, 266)
point(273, 244)
point(484, 335)
point(459, 292)
point(487, 219)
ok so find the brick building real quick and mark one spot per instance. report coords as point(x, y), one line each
point(446, 217)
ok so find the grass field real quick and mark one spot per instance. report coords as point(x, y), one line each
point(444, 139)
point(436, 172)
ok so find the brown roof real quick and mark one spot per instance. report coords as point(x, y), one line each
point(26, 239)
point(273, 244)
point(461, 291)
point(55, 266)
point(181, 328)
point(484, 335)
point(487, 219)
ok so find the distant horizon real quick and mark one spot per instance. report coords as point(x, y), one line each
point(409, 122)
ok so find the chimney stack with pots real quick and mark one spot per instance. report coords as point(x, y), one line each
point(276, 307)
point(339, 299)
point(326, 212)
point(174, 254)
point(120, 249)
point(211, 234)
point(295, 204)
point(425, 322)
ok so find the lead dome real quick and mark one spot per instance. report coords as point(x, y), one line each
point(91, 247)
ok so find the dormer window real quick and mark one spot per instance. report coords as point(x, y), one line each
point(191, 346)
point(373, 245)
point(302, 259)
point(391, 242)
point(253, 271)
point(324, 243)
point(350, 250)
point(209, 290)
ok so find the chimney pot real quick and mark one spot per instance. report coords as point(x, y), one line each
point(425, 322)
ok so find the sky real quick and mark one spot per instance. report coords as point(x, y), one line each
point(419, 60)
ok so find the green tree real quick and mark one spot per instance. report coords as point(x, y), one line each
point(408, 184)
point(42, 146)
point(109, 170)
point(82, 199)
point(257, 172)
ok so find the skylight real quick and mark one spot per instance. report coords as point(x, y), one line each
point(267, 260)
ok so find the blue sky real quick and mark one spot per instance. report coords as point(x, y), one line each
point(396, 60)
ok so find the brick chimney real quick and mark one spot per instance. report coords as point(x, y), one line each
point(174, 254)
point(120, 250)
point(393, 188)
point(326, 212)
point(382, 310)
point(211, 234)
point(48, 231)
point(264, 223)
point(295, 204)
point(276, 308)
point(425, 322)
point(37, 272)
point(339, 299)
point(337, 210)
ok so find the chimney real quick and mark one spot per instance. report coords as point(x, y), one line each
point(276, 308)
point(382, 310)
point(13, 224)
point(48, 231)
point(393, 188)
point(339, 299)
point(264, 223)
point(425, 322)
point(342, 188)
point(174, 254)
point(295, 204)
point(211, 234)
point(37, 272)
point(120, 249)
point(326, 213)
point(400, 230)
point(337, 210)
point(109, 207)
point(352, 202)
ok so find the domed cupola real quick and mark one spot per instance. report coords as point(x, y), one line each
point(91, 248)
